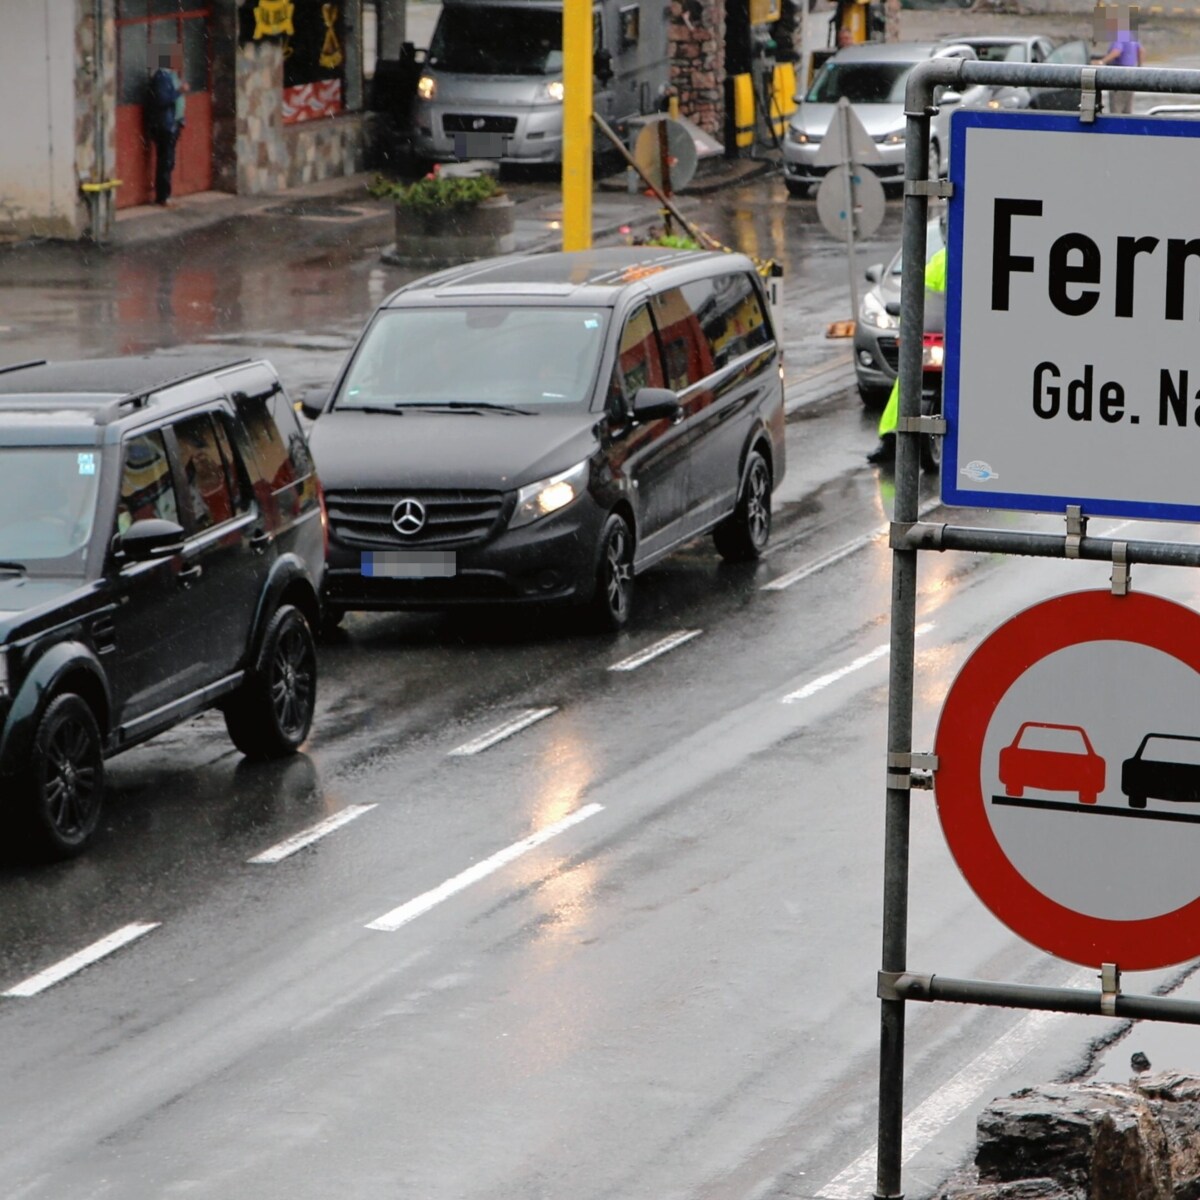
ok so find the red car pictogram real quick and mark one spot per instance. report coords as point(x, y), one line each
point(1052, 758)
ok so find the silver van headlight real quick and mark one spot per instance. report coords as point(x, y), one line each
point(537, 500)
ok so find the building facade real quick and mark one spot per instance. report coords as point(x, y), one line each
point(275, 99)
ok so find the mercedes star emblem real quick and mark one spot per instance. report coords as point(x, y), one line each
point(408, 517)
point(478, 123)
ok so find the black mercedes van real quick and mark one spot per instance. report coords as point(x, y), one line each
point(541, 428)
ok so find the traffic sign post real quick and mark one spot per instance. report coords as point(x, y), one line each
point(850, 201)
point(1060, 766)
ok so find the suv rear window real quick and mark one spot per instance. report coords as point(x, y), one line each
point(281, 455)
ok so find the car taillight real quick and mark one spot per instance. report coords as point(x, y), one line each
point(933, 348)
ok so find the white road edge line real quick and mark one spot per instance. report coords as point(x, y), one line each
point(836, 556)
point(420, 905)
point(84, 958)
point(653, 651)
point(313, 833)
point(952, 1098)
point(864, 660)
point(522, 720)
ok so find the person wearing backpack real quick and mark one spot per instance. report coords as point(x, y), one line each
point(165, 106)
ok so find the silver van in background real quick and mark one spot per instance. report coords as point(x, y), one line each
point(491, 84)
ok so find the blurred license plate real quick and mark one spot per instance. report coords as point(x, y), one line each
point(408, 564)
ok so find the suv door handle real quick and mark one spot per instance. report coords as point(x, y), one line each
point(189, 575)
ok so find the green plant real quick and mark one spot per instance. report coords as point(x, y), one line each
point(436, 193)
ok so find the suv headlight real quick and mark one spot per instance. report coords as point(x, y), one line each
point(426, 87)
point(552, 91)
point(875, 315)
point(537, 500)
point(798, 136)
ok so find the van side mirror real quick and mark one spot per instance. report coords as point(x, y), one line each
point(652, 404)
point(950, 96)
point(150, 538)
point(602, 66)
point(874, 272)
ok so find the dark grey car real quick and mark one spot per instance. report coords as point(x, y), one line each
point(542, 428)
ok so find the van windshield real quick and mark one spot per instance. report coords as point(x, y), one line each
point(860, 82)
point(497, 39)
point(527, 357)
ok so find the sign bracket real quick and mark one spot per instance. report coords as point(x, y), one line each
point(1089, 96)
point(1076, 530)
point(1121, 582)
point(1110, 986)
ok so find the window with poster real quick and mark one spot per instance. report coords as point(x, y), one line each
point(314, 62)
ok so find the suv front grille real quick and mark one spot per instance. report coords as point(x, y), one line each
point(452, 518)
point(466, 123)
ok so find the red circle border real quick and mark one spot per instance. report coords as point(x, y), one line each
point(996, 664)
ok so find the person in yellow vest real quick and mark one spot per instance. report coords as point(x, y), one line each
point(885, 452)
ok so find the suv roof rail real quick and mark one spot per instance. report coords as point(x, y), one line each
point(23, 366)
point(140, 398)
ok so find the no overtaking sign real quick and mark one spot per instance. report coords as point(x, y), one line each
point(1073, 315)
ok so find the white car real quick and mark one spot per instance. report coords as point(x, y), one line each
point(872, 76)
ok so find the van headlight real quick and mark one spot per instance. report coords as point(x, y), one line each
point(798, 136)
point(552, 91)
point(426, 87)
point(537, 500)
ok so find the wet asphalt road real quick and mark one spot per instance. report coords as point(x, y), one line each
point(672, 997)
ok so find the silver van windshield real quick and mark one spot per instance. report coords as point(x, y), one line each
point(531, 357)
point(497, 39)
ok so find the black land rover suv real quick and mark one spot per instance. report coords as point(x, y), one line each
point(161, 553)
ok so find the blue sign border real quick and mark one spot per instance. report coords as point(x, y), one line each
point(960, 122)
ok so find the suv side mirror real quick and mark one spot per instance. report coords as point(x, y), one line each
point(602, 66)
point(874, 272)
point(652, 403)
point(151, 538)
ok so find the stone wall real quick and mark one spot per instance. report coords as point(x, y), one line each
point(261, 155)
point(1088, 1141)
point(696, 48)
point(324, 149)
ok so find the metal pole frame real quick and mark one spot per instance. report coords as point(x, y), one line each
point(909, 537)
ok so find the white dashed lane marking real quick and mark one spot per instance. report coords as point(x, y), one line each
point(522, 720)
point(823, 681)
point(653, 651)
point(391, 921)
point(84, 958)
point(313, 833)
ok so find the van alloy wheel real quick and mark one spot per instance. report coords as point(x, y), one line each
point(613, 597)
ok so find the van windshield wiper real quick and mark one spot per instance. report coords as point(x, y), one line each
point(396, 410)
point(19, 568)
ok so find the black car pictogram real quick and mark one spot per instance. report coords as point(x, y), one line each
point(1166, 766)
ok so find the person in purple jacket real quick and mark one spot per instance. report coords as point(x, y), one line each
point(1124, 50)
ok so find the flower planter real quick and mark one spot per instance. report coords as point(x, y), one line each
point(445, 236)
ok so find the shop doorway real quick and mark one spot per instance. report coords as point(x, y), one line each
point(141, 25)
